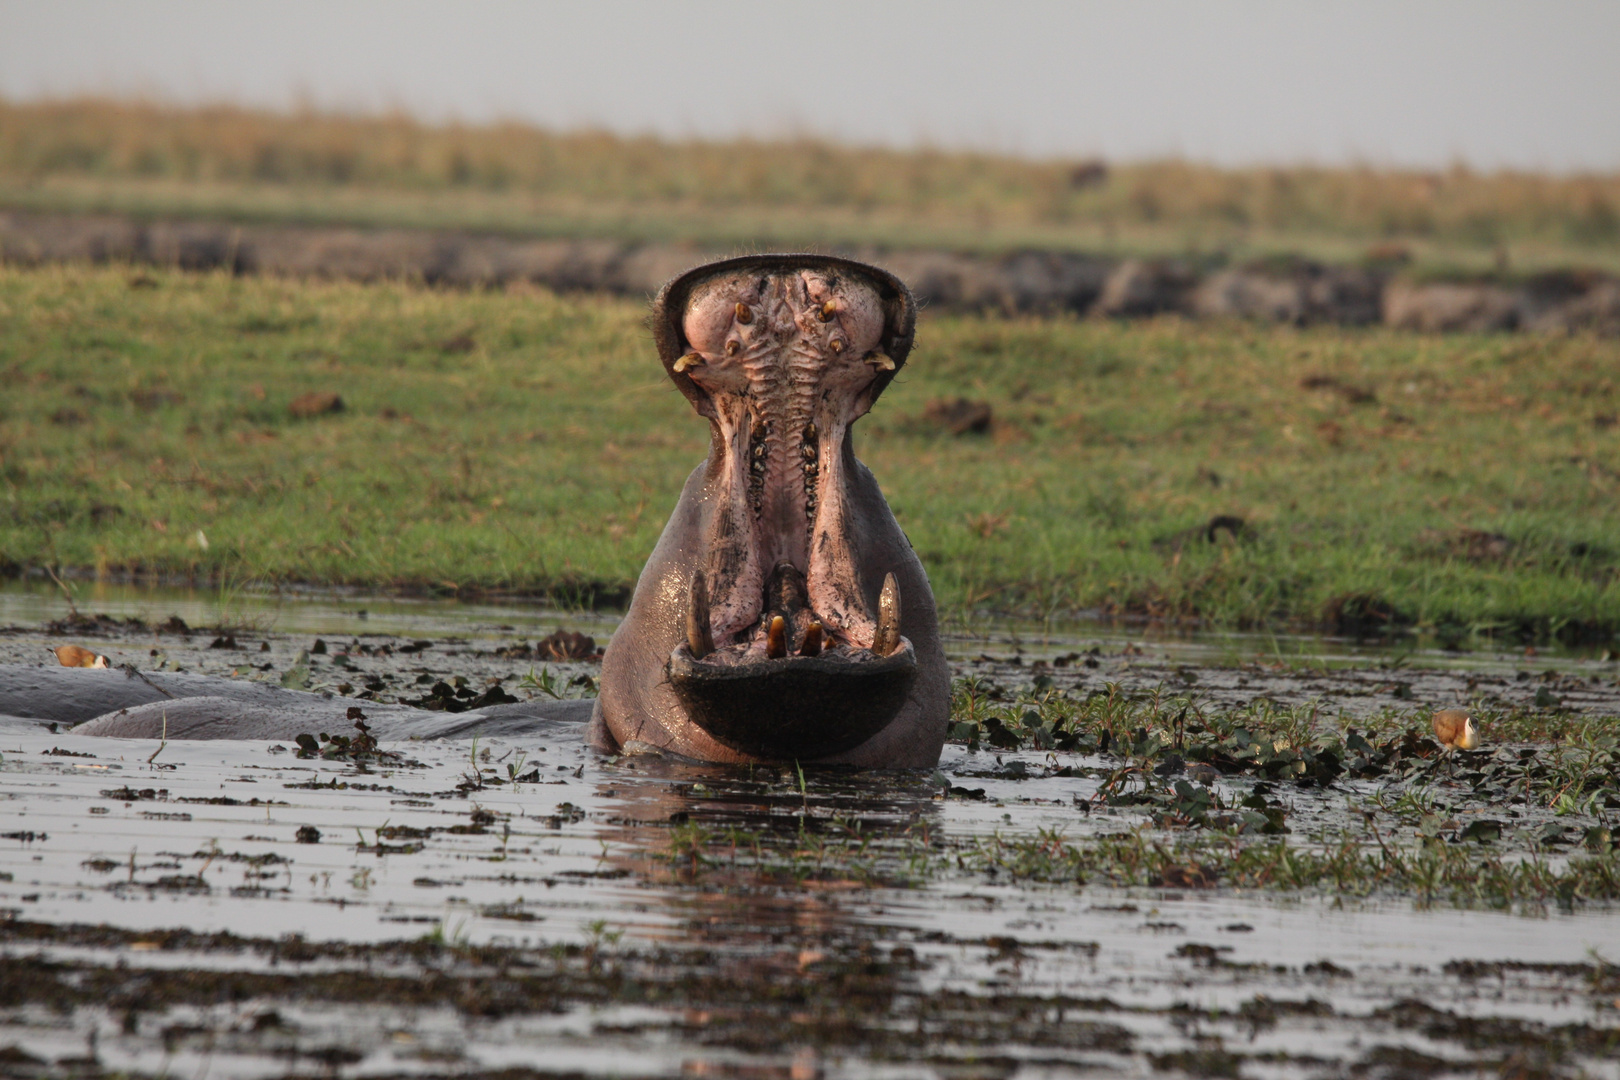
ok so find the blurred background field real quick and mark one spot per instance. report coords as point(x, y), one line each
point(514, 441)
point(242, 164)
point(1240, 444)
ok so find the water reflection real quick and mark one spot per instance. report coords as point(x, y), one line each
point(340, 612)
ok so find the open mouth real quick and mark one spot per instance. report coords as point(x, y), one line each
point(783, 354)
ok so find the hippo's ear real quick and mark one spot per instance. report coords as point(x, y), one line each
point(899, 322)
point(669, 312)
point(665, 319)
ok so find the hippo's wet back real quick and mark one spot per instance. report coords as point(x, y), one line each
point(783, 614)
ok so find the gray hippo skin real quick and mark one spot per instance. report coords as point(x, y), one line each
point(783, 614)
point(164, 704)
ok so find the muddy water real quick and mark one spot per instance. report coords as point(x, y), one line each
point(229, 909)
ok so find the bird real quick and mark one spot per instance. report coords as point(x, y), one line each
point(1455, 729)
point(74, 656)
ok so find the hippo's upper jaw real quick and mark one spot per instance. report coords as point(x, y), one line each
point(783, 614)
point(783, 359)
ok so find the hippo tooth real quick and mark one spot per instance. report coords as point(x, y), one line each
point(812, 639)
point(691, 359)
point(744, 315)
point(887, 638)
point(828, 310)
point(698, 635)
point(776, 638)
point(880, 360)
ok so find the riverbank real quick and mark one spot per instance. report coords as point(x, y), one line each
point(259, 430)
point(1285, 289)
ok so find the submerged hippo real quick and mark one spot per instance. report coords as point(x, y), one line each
point(783, 615)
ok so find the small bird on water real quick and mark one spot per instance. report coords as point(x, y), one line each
point(1455, 729)
point(74, 656)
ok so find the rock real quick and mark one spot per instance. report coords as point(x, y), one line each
point(1088, 174)
point(1242, 294)
point(194, 245)
point(1023, 282)
point(1541, 297)
point(1596, 311)
point(1360, 615)
point(942, 279)
point(1450, 306)
point(567, 645)
point(1144, 287)
point(1350, 392)
point(1044, 282)
point(1293, 290)
point(32, 240)
point(1474, 545)
point(1225, 529)
point(1296, 291)
point(959, 416)
point(315, 403)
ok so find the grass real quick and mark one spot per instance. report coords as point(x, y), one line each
point(148, 159)
point(1292, 802)
point(518, 441)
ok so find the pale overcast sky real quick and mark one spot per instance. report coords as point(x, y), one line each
point(1410, 82)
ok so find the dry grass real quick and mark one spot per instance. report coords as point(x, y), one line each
point(515, 176)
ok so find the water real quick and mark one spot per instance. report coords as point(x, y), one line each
point(821, 930)
point(341, 613)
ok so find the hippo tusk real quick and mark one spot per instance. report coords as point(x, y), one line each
point(880, 360)
point(699, 637)
point(812, 639)
point(776, 638)
point(887, 638)
point(691, 359)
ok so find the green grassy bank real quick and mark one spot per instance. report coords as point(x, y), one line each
point(521, 441)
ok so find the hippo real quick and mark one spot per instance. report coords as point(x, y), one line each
point(782, 616)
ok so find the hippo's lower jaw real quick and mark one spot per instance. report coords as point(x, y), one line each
point(794, 684)
point(793, 708)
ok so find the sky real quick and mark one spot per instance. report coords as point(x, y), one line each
point(1423, 83)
